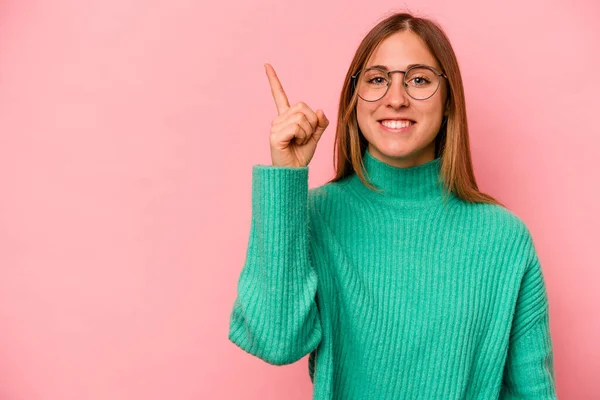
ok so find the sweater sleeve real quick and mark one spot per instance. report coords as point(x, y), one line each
point(275, 315)
point(529, 369)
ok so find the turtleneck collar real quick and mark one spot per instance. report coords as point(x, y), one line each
point(420, 184)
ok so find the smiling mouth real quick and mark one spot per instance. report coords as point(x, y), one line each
point(396, 125)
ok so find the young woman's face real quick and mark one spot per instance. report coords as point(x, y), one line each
point(415, 145)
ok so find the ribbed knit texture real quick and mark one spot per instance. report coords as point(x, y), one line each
point(393, 295)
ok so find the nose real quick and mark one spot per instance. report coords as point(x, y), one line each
point(396, 95)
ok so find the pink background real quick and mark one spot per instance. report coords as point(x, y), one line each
point(128, 133)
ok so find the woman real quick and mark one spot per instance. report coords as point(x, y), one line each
point(399, 277)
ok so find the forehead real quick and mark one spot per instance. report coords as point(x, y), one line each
point(401, 49)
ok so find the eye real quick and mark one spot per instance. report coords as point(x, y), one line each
point(373, 77)
point(378, 81)
point(419, 81)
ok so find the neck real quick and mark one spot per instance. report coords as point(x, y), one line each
point(418, 185)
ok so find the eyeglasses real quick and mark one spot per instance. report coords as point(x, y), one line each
point(420, 82)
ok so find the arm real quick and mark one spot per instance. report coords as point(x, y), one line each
point(275, 316)
point(529, 369)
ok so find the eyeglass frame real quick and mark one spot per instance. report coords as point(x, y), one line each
point(389, 79)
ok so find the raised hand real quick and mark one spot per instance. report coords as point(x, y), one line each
point(296, 130)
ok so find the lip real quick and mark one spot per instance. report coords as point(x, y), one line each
point(385, 128)
point(395, 119)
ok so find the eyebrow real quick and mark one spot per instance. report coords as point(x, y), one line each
point(407, 67)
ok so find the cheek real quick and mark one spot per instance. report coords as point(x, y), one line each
point(363, 114)
point(432, 111)
point(362, 110)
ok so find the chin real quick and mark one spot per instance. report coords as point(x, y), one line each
point(393, 149)
point(398, 149)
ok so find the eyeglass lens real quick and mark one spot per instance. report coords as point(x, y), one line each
point(420, 83)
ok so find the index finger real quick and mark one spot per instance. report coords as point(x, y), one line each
point(281, 100)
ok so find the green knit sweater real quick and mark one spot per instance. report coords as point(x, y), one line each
point(393, 295)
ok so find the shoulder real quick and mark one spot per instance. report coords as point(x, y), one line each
point(501, 225)
point(498, 216)
point(326, 195)
point(329, 204)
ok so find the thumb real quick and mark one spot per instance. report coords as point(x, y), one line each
point(323, 122)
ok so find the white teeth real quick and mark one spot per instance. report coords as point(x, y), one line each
point(396, 124)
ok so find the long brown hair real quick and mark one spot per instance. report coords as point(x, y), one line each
point(452, 141)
